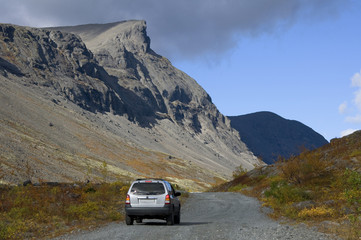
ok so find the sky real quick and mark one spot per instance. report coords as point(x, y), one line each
point(300, 59)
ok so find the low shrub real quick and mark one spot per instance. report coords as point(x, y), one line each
point(82, 211)
point(237, 188)
point(303, 168)
point(285, 193)
point(239, 171)
point(356, 153)
point(352, 184)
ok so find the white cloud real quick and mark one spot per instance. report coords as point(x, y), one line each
point(356, 106)
point(347, 132)
point(354, 119)
point(356, 79)
point(342, 108)
point(357, 99)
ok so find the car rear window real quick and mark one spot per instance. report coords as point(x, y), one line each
point(147, 189)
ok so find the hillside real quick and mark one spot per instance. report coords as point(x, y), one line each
point(102, 104)
point(269, 136)
point(321, 188)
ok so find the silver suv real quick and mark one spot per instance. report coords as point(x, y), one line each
point(152, 199)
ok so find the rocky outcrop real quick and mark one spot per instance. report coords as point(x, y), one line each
point(61, 60)
point(123, 49)
point(122, 86)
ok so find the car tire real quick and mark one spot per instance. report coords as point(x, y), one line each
point(177, 218)
point(170, 219)
point(128, 220)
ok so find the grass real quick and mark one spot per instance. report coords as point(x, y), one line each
point(33, 212)
point(317, 187)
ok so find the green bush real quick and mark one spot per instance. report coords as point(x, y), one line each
point(355, 153)
point(237, 188)
point(239, 171)
point(82, 211)
point(353, 190)
point(303, 168)
point(3, 230)
point(284, 193)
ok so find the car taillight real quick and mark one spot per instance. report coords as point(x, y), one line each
point(127, 200)
point(167, 199)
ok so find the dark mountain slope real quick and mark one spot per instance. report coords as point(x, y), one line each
point(269, 135)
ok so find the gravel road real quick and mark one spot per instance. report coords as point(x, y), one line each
point(209, 216)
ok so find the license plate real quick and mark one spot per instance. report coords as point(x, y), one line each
point(147, 201)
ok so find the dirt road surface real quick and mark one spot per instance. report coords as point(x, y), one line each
point(208, 216)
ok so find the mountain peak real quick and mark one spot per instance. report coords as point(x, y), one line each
point(269, 135)
point(112, 37)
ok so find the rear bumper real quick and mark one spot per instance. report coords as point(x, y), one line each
point(148, 211)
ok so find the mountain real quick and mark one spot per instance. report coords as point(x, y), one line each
point(95, 101)
point(269, 136)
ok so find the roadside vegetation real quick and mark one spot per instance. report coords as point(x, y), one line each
point(51, 209)
point(320, 188)
point(47, 210)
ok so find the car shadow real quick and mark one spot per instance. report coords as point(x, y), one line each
point(165, 224)
point(193, 223)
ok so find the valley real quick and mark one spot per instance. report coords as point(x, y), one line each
point(94, 104)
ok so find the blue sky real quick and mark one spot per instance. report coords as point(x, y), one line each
point(297, 58)
point(303, 74)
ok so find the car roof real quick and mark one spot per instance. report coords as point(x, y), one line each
point(149, 180)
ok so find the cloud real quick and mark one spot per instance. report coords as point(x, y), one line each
point(342, 108)
point(179, 29)
point(354, 119)
point(357, 99)
point(356, 80)
point(347, 132)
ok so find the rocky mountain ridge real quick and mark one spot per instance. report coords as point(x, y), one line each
point(270, 136)
point(111, 90)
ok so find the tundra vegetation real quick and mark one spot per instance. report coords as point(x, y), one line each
point(44, 210)
point(320, 188)
point(51, 209)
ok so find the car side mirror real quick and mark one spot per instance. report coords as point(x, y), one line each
point(177, 194)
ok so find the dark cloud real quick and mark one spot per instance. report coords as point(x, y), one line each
point(183, 29)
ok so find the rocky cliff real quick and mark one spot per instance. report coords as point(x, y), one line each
point(88, 94)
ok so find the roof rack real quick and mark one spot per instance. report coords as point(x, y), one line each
point(157, 179)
